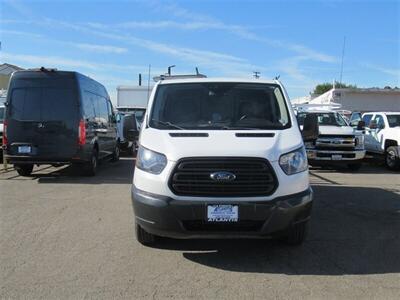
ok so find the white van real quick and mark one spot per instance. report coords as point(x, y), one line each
point(221, 158)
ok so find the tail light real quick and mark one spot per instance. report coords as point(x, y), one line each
point(5, 141)
point(82, 133)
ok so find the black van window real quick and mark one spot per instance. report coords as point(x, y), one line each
point(58, 104)
point(2, 114)
point(101, 109)
point(25, 104)
point(110, 111)
point(42, 104)
point(88, 106)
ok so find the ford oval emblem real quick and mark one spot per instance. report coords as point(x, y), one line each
point(223, 176)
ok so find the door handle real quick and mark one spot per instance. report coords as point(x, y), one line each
point(99, 130)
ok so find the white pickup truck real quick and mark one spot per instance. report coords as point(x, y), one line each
point(382, 136)
point(337, 143)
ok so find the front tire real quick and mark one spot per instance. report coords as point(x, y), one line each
point(24, 170)
point(143, 236)
point(392, 158)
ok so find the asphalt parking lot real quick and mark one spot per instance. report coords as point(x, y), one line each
point(65, 236)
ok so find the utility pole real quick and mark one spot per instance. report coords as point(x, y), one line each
point(341, 66)
point(256, 74)
point(148, 84)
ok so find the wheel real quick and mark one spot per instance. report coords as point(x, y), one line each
point(24, 170)
point(297, 234)
point(355, 167)
point(90, 168)
point(116, 153)
point(392, 158)
point(143, 236)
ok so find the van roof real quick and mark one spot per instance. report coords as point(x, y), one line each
point(217, 79)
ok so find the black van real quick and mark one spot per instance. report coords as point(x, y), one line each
point(58, 117)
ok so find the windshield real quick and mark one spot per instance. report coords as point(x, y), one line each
point(219, 105)
point(393, 120)
point(2, 114)
point(325, 119)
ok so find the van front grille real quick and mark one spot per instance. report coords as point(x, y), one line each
point(253, 177)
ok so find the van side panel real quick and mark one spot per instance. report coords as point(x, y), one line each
point(43, 114)
point(100, 130)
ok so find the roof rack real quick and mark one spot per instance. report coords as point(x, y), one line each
point(168, 75)
point(43, 69)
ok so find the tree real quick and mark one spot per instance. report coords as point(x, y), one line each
point(324, 87)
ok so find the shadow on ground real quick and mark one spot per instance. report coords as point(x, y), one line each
point(120, 172)
point(353, 231)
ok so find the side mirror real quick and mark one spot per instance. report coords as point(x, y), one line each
point(373, 125)
point(361, 125)
point(130, 129)
point(310, 128)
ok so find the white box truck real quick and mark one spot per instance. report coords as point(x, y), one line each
point(132, 96)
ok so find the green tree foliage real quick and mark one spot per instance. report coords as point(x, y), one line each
point(324, 87)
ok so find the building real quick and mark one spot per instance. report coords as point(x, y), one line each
point(5, 73)
point(360, 99)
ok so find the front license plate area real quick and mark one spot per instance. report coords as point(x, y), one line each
point(222, 213)
point(336, 157)
point(24, 149)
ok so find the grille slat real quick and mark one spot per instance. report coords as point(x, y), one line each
point(254, 177)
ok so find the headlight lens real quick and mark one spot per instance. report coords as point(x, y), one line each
point(294, 162)
point(360, 142)
point(150, 161)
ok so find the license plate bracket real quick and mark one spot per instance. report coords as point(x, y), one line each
point(222, 213)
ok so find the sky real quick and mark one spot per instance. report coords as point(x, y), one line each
point(300, 41)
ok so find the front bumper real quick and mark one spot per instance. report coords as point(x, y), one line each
point(336, 156)
point(168, 217)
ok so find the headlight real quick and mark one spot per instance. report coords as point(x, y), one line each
point(150, 161)
point(294, 162)
point(360, 142)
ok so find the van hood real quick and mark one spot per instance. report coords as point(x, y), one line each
point(336, 130)
point(221, 143)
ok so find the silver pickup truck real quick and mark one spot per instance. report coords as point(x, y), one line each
point(337, 143)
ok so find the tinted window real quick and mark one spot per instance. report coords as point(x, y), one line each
point(325, 119)
point(219, 106)
point(101, 109)
point(367, 119)
point(393, 120)
point(88, 106)
point(25, 104)
point(355, 117)
point(379, 121)
point(2, 110)
point(42, 104)
point(110, 110)
point(58, 104)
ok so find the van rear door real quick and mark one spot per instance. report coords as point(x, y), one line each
point(43, 117)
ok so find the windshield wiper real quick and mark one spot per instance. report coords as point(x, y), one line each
point(169, 124)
